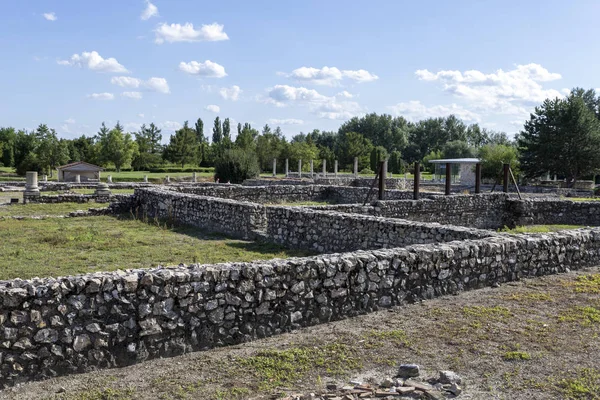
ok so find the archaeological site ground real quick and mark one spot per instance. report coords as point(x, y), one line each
point(282, 288)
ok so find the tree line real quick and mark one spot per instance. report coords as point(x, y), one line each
point(561, 137)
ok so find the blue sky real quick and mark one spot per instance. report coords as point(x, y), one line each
point(301, 65)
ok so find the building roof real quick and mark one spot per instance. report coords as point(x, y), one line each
point(80, 166)
point(456, 161)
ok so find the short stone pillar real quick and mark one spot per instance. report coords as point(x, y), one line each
point(274, 167)
point(45, 178)
point(102, 190)
point(77, 178)
point(324, 168)
point(335, 168)
point(287, 167)
point(146, 178)
point(311, 169)
point(109, 179)
point(300, 169)
point(355, 167)
point(167, 179)
point(31, 186)
point(194, 177)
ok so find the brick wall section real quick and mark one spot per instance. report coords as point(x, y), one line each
point(235, 218)
point(55, 326)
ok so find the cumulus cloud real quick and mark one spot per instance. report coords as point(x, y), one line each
point(51, 16)
point(132, 95)
point(345, 94)
point(170, 125)
point(323, 106)
point(69, 121)
point(154, 84)
point(187, 33)
point(141, 115)
point(232, 93)
point(287, 121)
point(101, 96)
point(150, 11)
point(94, 61)
point(207, 69)
point(505, 92)
point(415, 110)
point(330, 76)
point(213, 108)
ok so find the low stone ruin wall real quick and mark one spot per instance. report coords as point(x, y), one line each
point(484, 211)
point(75, 198)
point(552, 211)
point(55, 326)
point(329, 231)
point(235, 218)
point(290, 193)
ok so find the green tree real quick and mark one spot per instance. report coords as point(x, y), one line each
point(457, 149)
point(381, 130)
point(236, 165)
point(8, 137)
point(245, 140)
point(494, 156)
point(395, 163)
point(183, 146)
point(269, 146)
point(353, 144)
point(149, 148)
point(50, 151)
point(561, 137)
point(217, 136)
point(433, 155)
point(227, 130)
point(117, 147)
point(378, 154)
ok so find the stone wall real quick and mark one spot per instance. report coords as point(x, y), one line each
point(55, 326)
point(484, 211)
point(329, 231)
point(235, 218)
point(75, 198)
point(552, 211)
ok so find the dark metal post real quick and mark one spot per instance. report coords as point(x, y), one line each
point(478, 178)
point(505, 181)
point(417, 181)
point(382, 180)
point(448, 178)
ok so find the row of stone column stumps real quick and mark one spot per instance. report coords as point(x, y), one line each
point(323, 164)
point(32, 190)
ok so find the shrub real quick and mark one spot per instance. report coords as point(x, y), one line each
point(170, 170)
point(236, 165)
point(366, 171)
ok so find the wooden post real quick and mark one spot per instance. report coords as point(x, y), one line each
point(505, 181)
point(381, 180)
point(417, 181)
point(478, 178)
point(448, 178)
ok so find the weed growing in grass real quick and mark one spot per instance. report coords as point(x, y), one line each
point(496, 313)
point(585, 385)
point(378, 338)
point(516, 356)
point(529, 297)
point(105, 394)
point(538, 228)
point(233, 393)
point(587, 284)
point(275, 368)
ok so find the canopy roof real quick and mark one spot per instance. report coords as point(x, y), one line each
point(456, 161)
point(80, 166)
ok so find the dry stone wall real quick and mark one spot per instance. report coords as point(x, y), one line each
point(552, 211)
point(55, 326)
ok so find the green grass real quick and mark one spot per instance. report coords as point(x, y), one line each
point(36, 209)
point(86, 191)
point(587, 284)
point(301, 203)
point(516, 356)
point(54, 247)
point(581, 198)
point(584, 386)
point(539, 228)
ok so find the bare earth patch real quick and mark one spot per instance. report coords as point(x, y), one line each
point(535, 339)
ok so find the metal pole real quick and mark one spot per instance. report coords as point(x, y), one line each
point(448, 178)
point(417, 181)
point(381, 180)
point(478, 178)
point(505, 182)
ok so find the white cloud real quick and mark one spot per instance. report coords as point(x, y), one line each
point(131, 126)
point(95, 62)
point(506, 92)
point(415, 110)
point(101, 96)
point(69, 121)
point(232, 93)
point(206, 69)
point(154, 84)
point(132, 95)
point(170, 125)
point(330, 76)
point(150, 11)
point(287, 121)
point(141, 115)
point(323, 106)
point(187, 33)
point(345, 94)
point(51, 16)
point(213, 108)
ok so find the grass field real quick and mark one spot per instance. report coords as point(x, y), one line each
point(540, 228)
point(55, 247)
point(36, 210)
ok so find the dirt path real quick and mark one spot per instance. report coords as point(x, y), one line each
point(535, 339)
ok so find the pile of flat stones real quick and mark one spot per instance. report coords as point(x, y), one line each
point(406, 385)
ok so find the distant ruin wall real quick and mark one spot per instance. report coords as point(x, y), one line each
point(551, 211)
point(54, 326)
